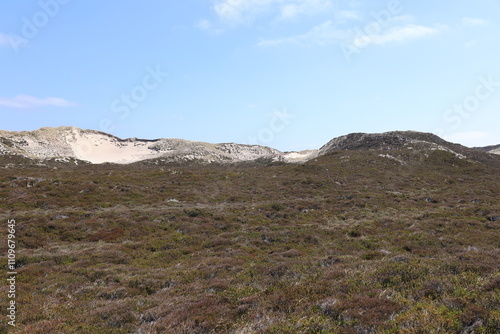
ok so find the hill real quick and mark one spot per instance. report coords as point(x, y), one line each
point(74, 144)
point(494, 149)
point(377, 237)
point(99, 147)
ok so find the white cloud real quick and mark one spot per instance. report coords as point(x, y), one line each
point(305, 7)
point(469, 21)
point(402, 19)
point(397, 34)
point(327, 33)
point(27, 102)
point(346, 15)
point(323, 34)
point(239, 11)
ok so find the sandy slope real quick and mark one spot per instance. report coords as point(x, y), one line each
point(98, 147)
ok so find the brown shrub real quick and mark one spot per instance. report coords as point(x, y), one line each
point(45, 326)
point(474, 314)
point(493, 285)
point(369, 311)
point(206, 314)
point(117, 315)
point(108, 235)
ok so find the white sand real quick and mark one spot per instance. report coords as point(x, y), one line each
point(98, 147)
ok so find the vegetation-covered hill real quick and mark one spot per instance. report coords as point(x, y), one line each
point(356, 241)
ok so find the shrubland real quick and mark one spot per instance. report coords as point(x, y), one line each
point(352, 242)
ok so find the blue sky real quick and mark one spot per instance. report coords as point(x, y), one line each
point(290, 74)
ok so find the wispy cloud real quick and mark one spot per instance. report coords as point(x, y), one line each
point(328, 33)
point(398, 34)
point(240, 11)
point(232, 13)
point(305, 8)
point(347, 15)
point(28, 102)
point(469, 21)
point(323, 34)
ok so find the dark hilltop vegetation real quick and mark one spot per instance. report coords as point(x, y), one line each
point(388, 234)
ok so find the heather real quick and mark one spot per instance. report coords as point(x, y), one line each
point(364, 241)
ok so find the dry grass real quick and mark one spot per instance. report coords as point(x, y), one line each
point(349, 243)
